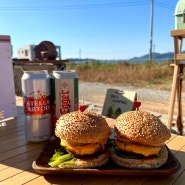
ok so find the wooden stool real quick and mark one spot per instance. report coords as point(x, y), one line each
point(177, 79)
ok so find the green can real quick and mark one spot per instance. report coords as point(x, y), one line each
point(64, 91)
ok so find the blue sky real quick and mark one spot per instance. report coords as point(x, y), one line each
point(100, 29)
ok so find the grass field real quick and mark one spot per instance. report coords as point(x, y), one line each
point(149, 75)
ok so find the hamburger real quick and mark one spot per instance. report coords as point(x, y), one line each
point(84, 136)
point(140, 141)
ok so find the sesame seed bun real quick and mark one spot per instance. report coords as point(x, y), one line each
point(141, 127)
point(82, 128)
point(144, 163)
point(84, 135)
point(140, 141)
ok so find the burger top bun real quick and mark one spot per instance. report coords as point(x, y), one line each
point(82, 127)
point(141, 127)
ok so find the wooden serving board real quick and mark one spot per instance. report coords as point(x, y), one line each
point(41, 166)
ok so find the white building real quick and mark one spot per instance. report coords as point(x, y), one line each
point(27, 52)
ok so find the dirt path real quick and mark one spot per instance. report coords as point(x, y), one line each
point(153, 100)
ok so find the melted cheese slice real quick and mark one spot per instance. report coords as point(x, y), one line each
point(138, 149)
point(83, 149)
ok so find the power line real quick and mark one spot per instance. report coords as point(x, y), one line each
point(77, 6)
point(164, 5)
point(86, 6)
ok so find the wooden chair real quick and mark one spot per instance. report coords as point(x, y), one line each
point(178, 36)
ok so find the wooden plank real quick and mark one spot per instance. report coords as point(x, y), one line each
point(30, 177)
point(161, 180)
point(17, 151)
point(39, 62)
point(104, 180)
point(6, 139)
point(21, 178)
point(176, 33)
point(172, 65)
point(176, 144)
point(12, 145)
point(180, 180)
point(19, 158)
point(131, 180)
point(172, 97)
point(173, 136)
point(12, 123)
point(180, 56)
point(12, 135)
point(39, 180)
point(58, 179)
point(16, 169)
point(8, 132)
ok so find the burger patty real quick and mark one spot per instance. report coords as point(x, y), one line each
point(136, 148)
point(130, 155)
point(83, 149)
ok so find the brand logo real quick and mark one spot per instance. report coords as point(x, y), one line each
point(35, 106)
point(65, 102)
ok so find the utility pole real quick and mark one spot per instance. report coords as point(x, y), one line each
point(80, 52)
point(151, 30)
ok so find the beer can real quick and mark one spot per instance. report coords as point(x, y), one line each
point(36, 93)
point(64, 90)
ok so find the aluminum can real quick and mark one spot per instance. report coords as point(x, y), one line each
point(36, 93)
point(64, 88)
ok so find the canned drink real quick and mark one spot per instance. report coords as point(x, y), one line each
point(36, 93)
point(64, 88)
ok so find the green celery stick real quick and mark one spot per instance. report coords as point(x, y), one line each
point(59, 160)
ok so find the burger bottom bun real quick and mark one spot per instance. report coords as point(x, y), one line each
point(93, 161)
point(148, 163)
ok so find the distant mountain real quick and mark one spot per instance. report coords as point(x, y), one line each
point(160, 57)
point(157, 57)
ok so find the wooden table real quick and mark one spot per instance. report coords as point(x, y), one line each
point(17, 155)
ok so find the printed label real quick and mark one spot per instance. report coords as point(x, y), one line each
point(64, 96)
point(65, 102)
point(37, 103)
point(35, 106)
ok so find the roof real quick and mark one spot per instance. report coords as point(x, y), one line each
point(180, 7)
